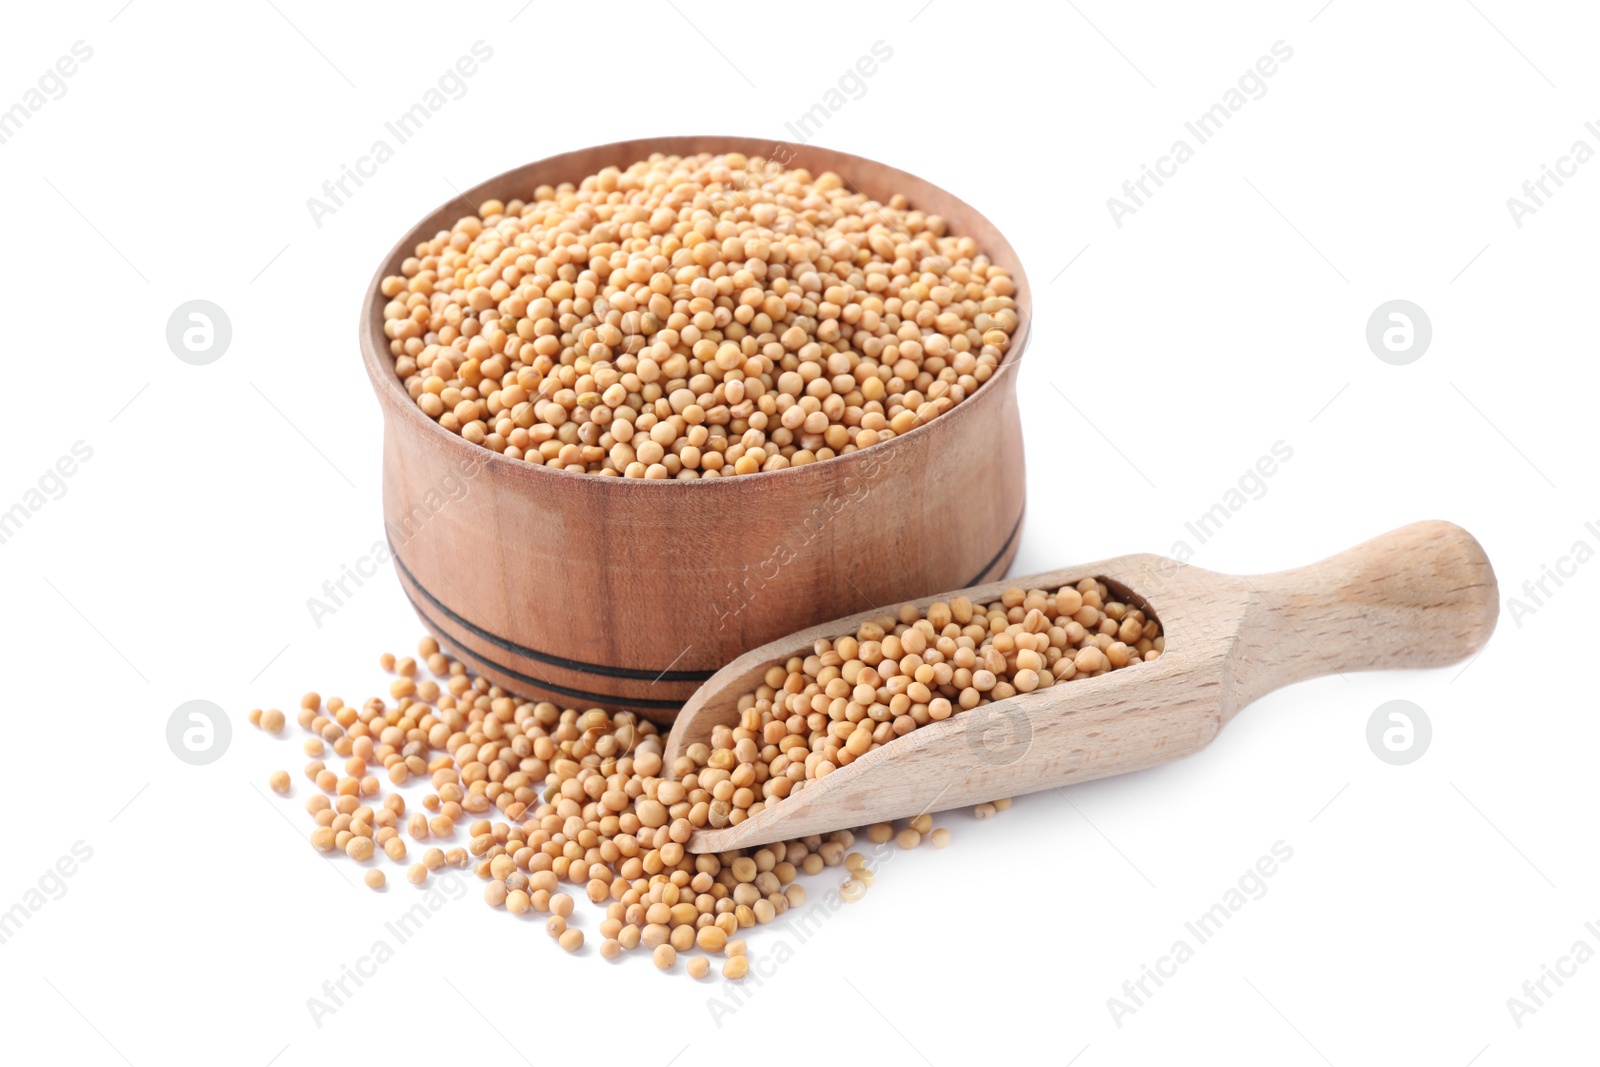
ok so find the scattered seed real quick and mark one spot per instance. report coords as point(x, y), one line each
point(553, 798)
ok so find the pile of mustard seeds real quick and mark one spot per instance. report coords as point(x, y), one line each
point(546, 805)
point(695, 317)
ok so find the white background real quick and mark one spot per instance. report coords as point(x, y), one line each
point(1228, 314)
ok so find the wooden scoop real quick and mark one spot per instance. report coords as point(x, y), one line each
point(1420, 596)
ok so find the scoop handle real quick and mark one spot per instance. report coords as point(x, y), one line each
point(1424, 595)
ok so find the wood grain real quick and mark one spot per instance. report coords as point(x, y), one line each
point(1421, 596)
point(627, 593)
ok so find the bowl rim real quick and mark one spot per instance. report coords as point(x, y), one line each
point(392, 395)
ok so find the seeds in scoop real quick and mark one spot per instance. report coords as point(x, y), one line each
point(898, 673)
point(714, 335)
point(279, 782)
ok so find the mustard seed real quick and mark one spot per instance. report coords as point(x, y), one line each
point(552, 798)
point(279, 782)
point(896, 674)
point(664, 956)
point(571, 940)
point(713, 336)
point(374, 879)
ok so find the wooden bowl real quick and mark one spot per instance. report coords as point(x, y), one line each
point(628, 593)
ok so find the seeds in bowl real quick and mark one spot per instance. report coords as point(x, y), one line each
point(695, 317)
